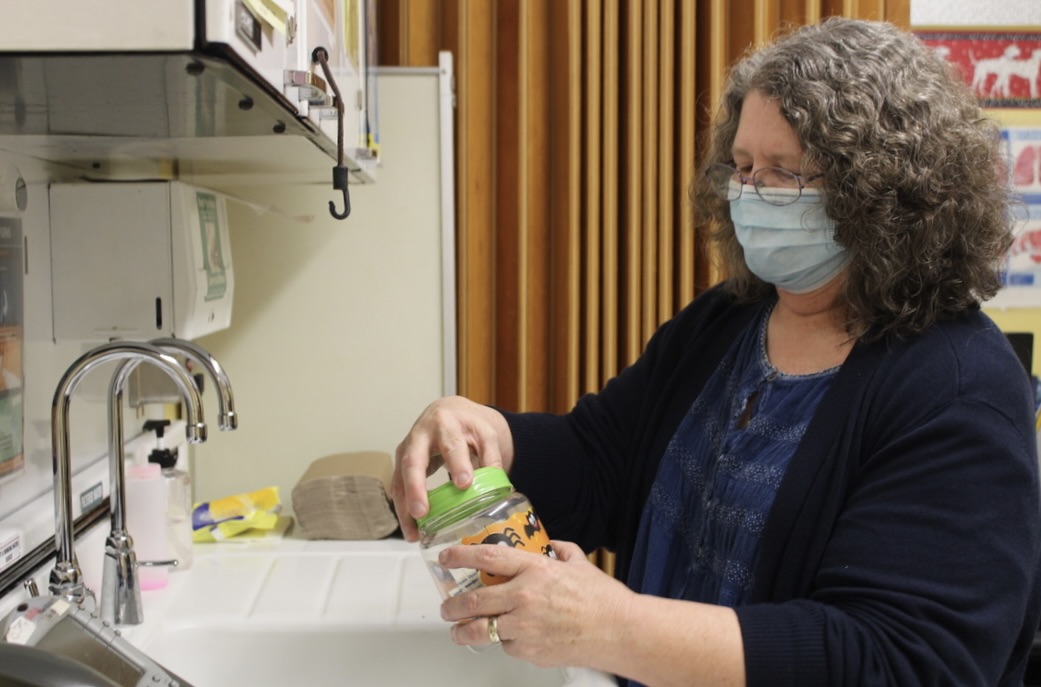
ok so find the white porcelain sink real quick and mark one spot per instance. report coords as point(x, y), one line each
point(346, 657)
point(311, 614)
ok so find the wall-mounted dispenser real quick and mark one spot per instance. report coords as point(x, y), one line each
point(139, 260)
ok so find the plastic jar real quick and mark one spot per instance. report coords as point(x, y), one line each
point(489, 511)
point(178, 508)
point(146, 522)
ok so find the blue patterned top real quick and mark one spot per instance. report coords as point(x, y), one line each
point(703, 520)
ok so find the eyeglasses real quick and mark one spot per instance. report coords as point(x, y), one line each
point(774, 185)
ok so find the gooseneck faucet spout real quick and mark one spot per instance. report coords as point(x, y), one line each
point(120, 599)
point(227, 419)
point(66, 578)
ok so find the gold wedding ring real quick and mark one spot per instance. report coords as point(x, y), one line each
point(493, 629)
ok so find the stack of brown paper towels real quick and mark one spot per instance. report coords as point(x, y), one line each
point(346, 496)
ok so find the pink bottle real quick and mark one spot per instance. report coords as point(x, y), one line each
point(146, 522)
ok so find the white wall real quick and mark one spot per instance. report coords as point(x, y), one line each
point(336, 336)
point(1007, 13)
point(26, 501)
point(336, 341)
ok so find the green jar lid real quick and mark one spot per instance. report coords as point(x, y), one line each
point(447, 497)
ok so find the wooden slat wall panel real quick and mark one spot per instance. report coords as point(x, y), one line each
point(739, 18)
point(713, 54)
point(632, 169)
point(799, 11)
point(610, 333)
point(390, 32)
point(767, 19)
point(565, 157)
point(577, 134)
point(648, 167)
point(664, 194)
point(687, 113)
point(898, 12)
point(592, 194)
point(468, 31)
point(422, 44)
point(510, 257)
point(535, 205)
point(408, 32)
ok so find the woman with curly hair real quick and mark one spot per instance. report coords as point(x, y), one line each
point(822, 471)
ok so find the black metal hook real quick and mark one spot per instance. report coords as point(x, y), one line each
point(320, 56)
point(340, 184)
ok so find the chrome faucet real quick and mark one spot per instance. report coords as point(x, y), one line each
point(66, 579)
point(121, 594)
point(227, 419)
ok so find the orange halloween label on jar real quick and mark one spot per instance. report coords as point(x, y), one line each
point(520, 531)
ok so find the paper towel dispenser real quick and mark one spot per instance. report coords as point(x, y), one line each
point(139, 260)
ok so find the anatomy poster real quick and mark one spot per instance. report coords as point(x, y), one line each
point(1022, 274)
point(1003, 68)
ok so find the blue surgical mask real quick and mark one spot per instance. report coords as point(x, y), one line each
point(790, 246)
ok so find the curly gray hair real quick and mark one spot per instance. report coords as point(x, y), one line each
point(913, 173)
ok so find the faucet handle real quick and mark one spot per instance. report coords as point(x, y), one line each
point(31, 587)
point(171, 563)
point(66, 582)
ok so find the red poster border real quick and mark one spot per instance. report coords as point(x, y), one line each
point(1002, 66)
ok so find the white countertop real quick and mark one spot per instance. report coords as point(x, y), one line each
point(284, 611)
point(319, 613)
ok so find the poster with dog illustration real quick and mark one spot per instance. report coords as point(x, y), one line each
point(1002, 68)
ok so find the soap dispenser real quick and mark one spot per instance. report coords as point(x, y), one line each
point(146, 523)
point(178, 497)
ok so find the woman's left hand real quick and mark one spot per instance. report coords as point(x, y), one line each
point(551, 612)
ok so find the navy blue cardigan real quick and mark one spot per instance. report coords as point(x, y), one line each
point(903, 547)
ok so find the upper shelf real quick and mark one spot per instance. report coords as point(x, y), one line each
point(185, 115)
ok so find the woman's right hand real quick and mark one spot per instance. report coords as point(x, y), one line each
point(453, 431)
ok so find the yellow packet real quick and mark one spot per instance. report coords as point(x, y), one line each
point(226, 517)
point(226, 529)
point(237, 506)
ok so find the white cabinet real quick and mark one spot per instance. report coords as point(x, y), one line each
point(139, 260)
point(223, 91)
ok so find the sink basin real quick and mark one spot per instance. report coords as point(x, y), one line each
point(347, 657)
point(320, 613)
